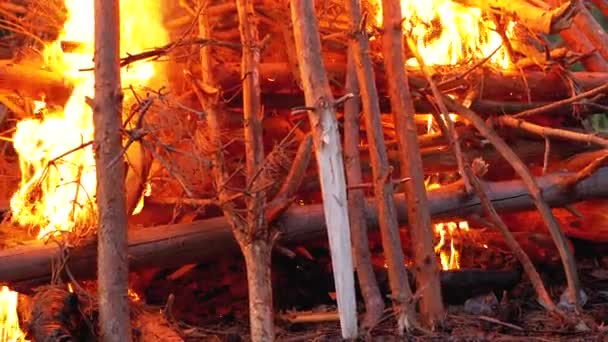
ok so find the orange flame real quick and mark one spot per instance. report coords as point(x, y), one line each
point(449, 33)
point(9, 320)
point(57, 191)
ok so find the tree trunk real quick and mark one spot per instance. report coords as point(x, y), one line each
point(374, 305)
point(261, 315)
point(328, 152)
point(113, 261)
point(255, 241)
point(425, 265)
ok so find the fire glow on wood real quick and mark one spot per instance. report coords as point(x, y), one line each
point(449, 257)
point(58, 180)
point(449, 33)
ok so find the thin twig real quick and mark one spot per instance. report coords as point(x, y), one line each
point(499, 322)
point(550, 132)
point(555, 105)
point(519, 253)
point(520, 168)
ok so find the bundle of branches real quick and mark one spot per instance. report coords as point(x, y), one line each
point(55, 313)
point(30, 23)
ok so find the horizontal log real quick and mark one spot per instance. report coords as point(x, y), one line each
point(173, 245)
point(497, 86)
point(33, 82)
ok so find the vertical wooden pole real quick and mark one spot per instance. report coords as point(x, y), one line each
point(328, 151)
point(374, 304)
point(419, 218)
point(383, 187)
point(256, 241)
point(111, 199)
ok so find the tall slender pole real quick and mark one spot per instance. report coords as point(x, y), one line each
point(112, 235)
point(328, 151)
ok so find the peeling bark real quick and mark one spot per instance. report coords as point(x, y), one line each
point(328, 151)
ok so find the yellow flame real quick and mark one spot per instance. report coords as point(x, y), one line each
point(57, 191)
point(449, 33)
point(450, 260)
point(9, 320)
point(133, 295)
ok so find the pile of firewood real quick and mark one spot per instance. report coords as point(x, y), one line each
point(524, 139)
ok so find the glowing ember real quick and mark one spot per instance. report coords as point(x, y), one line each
point(58, 183)
point(9, 321)
point(449, 33)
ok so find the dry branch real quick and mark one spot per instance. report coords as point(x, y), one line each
point(283, 199)
point(425, 265)
point(374, 304)
point(175, 245)
point(598, 91)
point(535, 192)
point(328, 153)
point(511, 241)
point(550, 132)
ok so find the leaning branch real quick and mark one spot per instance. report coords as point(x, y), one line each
point(544, 209)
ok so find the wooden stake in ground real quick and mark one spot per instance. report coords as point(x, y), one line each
point(374, 304)
point(425, 265)
point(383, 187)
point(112, 261)
point(328, 151)
point(255, 241)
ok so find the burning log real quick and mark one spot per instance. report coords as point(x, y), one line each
point(541, 19)
point(35, 83)
point(175, 245)
point(277, 78)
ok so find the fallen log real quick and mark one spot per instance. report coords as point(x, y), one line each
point(35, 83)
point(524, 86)
point(174, 245)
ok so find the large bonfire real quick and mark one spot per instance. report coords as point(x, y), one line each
point(58, 178)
